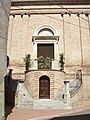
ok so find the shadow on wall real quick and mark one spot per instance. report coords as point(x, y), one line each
point(10, 92)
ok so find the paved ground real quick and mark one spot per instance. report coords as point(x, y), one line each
point(47, 114)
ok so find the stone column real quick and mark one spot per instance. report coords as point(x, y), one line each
point(35, 63)
point(4, 19)
point(53, 64)
point(19, 100)
point(66, 93)
point(56, 55)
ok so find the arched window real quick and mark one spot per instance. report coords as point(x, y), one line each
point(45, 32)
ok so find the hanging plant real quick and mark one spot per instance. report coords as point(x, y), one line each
point(27, 61)
point(61, 61)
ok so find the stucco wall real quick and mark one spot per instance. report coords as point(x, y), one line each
point(4, 19)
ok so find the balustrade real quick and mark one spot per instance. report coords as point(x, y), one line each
point(75, 84)
point(54, 65)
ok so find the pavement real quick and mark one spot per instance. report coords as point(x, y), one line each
point(45, 114)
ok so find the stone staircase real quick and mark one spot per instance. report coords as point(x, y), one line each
point(26, 101)
point(24, 98)
point(47, 104)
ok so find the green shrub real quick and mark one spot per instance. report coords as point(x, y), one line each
point(27, 61)
point(44, 63)
point(61, 61)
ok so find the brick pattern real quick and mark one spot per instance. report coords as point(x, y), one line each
point(56, 82)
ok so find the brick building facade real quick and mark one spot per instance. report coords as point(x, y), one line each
point(50, 28)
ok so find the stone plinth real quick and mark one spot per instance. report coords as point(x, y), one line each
point(66, 93)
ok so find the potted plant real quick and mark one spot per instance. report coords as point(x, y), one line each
point(48, 63)
point(41, 62)
point(61, 61)
point(27, 61)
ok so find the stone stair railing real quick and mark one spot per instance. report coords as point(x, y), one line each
point(24, 98)
point(71, 88)
point(75, 84)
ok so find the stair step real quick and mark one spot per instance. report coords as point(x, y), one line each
point(26, 100)
point(47, 103)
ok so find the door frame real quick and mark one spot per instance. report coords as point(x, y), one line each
point(42, 78)
point(36, 42)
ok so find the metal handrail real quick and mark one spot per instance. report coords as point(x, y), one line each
point(75, 84)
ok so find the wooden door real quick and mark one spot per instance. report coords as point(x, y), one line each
point(45, 50)
point(44, 89)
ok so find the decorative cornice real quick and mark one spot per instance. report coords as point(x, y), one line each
point(61, 13)
point(49, 2)
point(45, 38)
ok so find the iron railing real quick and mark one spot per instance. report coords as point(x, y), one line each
point(75, 84)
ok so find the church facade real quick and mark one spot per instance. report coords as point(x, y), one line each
point(56, 35)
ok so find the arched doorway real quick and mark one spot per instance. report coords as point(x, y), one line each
point(44, 87)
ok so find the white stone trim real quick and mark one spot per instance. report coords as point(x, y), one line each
point(46, 26)
point(44, 41)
